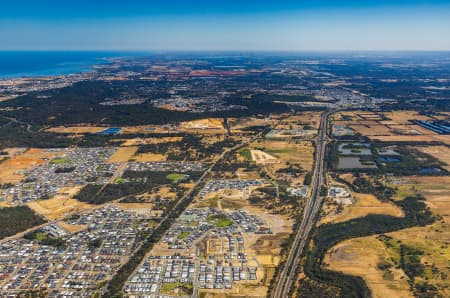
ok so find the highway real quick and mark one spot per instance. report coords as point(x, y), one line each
point(310, 214)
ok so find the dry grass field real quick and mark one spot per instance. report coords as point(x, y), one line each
point(371, 128)
point(61, 205)
point(365, 204)
point(76, 129)
point(393, 126)
point(149, 157)
point(71, 228)
point(441, 153)
point(123, 154)
point(208, 123)
point(290, 151)
point(403, 117)
point(360, 257)
point(153, 140)
point(408, 138)
point(13, 169)
point(244, 122)
point(301, 120)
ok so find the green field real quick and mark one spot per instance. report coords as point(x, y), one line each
point(175, 177)
point(245, 153)
point(169, 288)
point(220, 220)
point(119, 180)
point(183, 235)
point(59, 161)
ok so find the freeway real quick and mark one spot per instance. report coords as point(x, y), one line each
point(310, 214)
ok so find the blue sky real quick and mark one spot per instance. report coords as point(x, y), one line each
point(225, 25)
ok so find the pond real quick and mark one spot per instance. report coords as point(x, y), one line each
point(350, 162)
point(429, 170)
point(389, 159)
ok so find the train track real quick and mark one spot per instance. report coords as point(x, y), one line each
point(310, 214)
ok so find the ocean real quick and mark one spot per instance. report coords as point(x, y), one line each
point(14, 64)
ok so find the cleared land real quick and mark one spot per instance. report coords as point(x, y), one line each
point(13, 170)
point(149, 157)
point(123, 154)
point(365, 204)
point(60, 205)
point(76, 129)
point(208, 123)
point(300, 152)
point(154, 140)
point(71, 228)
point(261, 157)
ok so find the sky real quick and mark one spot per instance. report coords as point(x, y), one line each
point(225, 25)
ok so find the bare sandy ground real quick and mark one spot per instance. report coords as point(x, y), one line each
point(12, 170)
point(261, 157)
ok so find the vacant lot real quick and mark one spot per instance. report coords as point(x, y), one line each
point(149, 157)
point(71, 228)
point(154, 140)
point(60, 205)
point(76, 129)
point(365, 204)
point(289, 151)
point(123, 154)
point(261, 157)
point(209, 123)
point(13, 169)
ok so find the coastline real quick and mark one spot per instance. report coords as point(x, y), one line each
point(34, 64)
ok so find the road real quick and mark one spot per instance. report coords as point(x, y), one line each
point(199, 182)
point(310, 214)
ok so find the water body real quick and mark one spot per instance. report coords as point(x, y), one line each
point(389, 159)
point(15, 64)
point(429, 170)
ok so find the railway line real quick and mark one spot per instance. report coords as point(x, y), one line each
point(309, 217)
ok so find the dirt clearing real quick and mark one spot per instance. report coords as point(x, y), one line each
point(14, 169)
point(60, 205)
point(261, 157)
